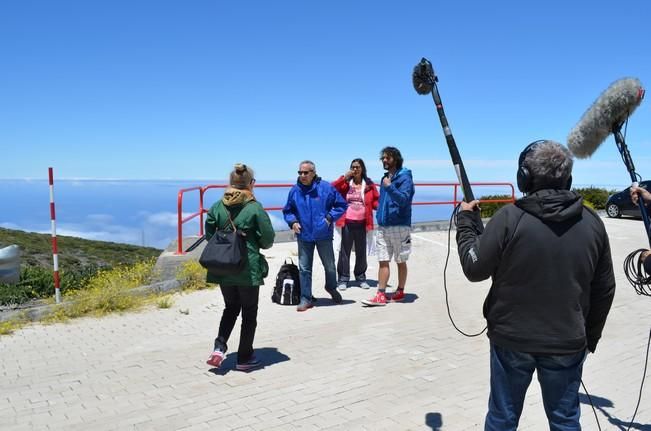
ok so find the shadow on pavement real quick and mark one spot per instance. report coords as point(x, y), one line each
point(327, 302)
point(409, 298)
point(267, 355)
point(355, 283)
point(434, 421)
point(601, 403)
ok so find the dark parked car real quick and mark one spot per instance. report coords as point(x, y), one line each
point(620, 203)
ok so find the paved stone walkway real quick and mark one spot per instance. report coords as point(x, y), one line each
point(343, 367)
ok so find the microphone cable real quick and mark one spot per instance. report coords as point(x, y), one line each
point(447, 258)
point(636, 275)
point(591, 405)
point(639, 398)
point(640, 281)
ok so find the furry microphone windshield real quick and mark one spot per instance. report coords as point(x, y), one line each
point(608, 112)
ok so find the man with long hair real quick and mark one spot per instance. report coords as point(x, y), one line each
point(393, 238)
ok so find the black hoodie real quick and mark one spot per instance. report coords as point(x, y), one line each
point(549, 259)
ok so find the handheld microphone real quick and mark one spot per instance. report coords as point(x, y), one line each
point(424, 80)
point(605, 116)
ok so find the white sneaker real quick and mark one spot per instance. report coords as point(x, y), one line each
point(342, 286)
point(364, 285)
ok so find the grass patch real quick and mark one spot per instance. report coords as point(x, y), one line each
point(112, 290)
point(9, 326)
point(106, 292)
point(165, 301)
point(192, 276)
point(80, 260)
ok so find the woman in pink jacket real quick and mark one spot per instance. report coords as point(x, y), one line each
point(362, 196)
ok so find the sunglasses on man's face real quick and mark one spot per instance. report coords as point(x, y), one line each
point(304, 172)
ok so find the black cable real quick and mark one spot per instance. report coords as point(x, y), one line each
point(623, 155)
point(635, 273)
point(639, 398)
point(592, 405)
point(447, 258)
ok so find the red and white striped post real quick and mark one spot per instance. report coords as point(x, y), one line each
point(55, 255)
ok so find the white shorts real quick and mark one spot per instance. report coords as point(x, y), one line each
point(393, 241)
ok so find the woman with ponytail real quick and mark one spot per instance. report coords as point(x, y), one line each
point(240, 291)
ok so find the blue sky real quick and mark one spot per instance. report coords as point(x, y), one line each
point(182, 90)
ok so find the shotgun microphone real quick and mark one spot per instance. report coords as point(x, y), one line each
point(605, 116)
point(424, 80)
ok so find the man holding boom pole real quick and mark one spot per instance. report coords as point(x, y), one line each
point(552, 287)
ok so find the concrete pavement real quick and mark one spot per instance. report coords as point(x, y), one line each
point(334, 367)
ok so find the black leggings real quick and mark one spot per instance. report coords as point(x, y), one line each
point(352, 233)
point(238, 298)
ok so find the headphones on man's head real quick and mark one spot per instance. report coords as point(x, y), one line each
point(524, 177)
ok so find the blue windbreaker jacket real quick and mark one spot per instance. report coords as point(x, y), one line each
point(394, 208)
point(310, 206)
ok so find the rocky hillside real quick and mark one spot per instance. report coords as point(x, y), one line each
point(36, 250)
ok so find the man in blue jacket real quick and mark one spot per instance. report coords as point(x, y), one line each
point(393, 236)
point(312, 208)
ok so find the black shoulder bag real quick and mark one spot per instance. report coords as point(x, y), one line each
point(226, 252)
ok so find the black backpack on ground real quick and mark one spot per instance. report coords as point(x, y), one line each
point(287, 290)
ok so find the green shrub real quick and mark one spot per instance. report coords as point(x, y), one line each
point(596, 196)
point(74, 253)
point(11, 294)
point(37, 283)
point(490, 208)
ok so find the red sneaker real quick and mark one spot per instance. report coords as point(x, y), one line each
point(378, 300)
point(215, 358)
point(398, 295)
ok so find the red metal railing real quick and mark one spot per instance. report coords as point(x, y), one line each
point(202, 210)
point(456, 186)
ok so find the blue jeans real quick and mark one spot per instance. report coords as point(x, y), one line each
point(306, 259)
point(559, 377)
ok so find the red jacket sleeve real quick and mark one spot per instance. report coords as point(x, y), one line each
point(341, 185)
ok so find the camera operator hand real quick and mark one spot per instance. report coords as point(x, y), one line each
point(636, 192)
point(639, 191)
point(469, 206)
